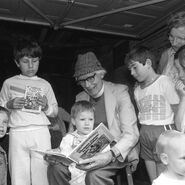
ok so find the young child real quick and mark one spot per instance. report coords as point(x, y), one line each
point(156, 100)
point(4, 117)
point(82, 117)
point(171, 151)
point(28, 129)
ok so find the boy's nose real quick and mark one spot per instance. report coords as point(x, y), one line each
point(87, 84)
point(30, 64)
point(132, 72)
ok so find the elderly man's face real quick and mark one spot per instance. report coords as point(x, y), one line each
point(91, 83)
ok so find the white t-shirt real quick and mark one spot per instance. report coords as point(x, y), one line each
point(165, 180)
point(154, 102)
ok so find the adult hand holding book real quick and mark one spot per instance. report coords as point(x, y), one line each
point(97, 161)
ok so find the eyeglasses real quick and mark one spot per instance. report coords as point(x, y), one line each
point(89, 79)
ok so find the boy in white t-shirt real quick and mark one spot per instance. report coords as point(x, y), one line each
point(171, 151)
point(156, 100)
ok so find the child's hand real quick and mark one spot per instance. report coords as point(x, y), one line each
point(16, 103)
point(43, 101)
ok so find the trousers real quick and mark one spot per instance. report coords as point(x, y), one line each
point(58, 174)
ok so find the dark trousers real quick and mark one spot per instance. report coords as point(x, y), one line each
point(59, 174)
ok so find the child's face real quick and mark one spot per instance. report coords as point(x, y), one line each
point(176, 158)
point(28, 66)
point(138, 71)
point(3, 123)
point(84, 122)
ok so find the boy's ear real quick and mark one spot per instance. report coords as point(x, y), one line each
point(148, 62)
point(73, 121)
point(164, 158)
point(17, 63)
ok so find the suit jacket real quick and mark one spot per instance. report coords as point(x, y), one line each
point(121, 117)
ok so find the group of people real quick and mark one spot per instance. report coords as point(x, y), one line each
point(160, 100)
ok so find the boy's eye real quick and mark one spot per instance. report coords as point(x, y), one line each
point(34, 61)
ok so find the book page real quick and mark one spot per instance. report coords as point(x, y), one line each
point(31, 95)
point(55, 155)
point(97, 140)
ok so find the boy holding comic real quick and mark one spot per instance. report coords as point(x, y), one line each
point(28, 129)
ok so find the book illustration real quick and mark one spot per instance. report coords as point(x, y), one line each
point(96, 141)
point(31, 96)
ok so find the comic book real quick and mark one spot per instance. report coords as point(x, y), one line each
point(96, 141)
point(31, 95)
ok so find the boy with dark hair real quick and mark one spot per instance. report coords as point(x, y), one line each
point(28, 129)
point(156, 100)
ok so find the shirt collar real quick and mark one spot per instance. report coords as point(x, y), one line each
point(100, 92)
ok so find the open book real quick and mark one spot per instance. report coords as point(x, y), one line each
point(31, 95)
point(96, 141)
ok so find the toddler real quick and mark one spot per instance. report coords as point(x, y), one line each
point(171, 151)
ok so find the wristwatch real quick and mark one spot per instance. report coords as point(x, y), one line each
point(115, 153)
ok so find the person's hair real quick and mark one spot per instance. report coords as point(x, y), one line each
point(179, 51)
point(26, 47)
point(81, 106)
point(176, 20)
point(164, 140)
point(140, 54)
point(3, 109)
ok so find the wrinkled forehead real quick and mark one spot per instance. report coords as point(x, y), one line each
point(178, 31)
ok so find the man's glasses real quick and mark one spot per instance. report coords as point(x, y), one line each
point(89, 79)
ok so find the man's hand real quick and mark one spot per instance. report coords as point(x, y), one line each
point(16, 103)
point(99, 160)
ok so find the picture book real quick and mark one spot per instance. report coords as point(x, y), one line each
point(31, 95)
point(96, 141)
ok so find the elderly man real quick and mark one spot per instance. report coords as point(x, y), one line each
point(113, 107)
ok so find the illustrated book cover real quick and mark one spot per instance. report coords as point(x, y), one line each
point(96, 141)
point(31, 96)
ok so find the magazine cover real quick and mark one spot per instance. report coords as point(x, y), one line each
point(31, 95)
point(96, 141)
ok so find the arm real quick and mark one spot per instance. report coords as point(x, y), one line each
point(52, 107)
point(6, 101)
point(162, 62)
point(128, 123)
point(179, 116)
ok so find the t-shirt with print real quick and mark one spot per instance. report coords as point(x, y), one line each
point(154, 102)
